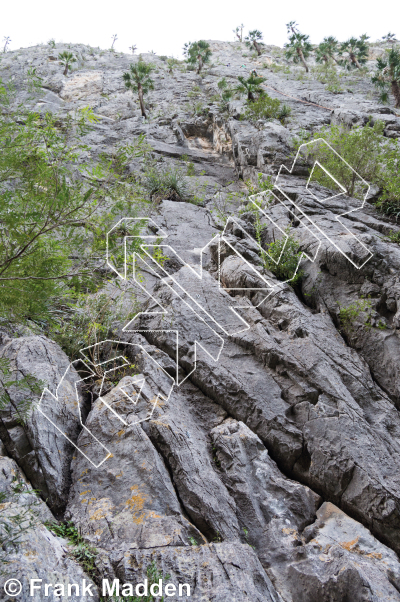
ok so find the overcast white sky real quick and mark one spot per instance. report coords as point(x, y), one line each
point(165, 25)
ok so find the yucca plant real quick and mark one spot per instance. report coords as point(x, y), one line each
point(387, 76)
point(250, 86)
point(238, 31)
point(299, 47)
point(197, 53)
point(326, 50)
point(114, 38)
point(354, 52)
point(138, 80)
point(253, 39)
point(6, 41)
point(66, 59)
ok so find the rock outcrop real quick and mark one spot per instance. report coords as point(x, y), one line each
point(271, 473)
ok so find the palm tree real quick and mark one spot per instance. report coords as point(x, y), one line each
point(253, 39)
point(326, 50)
point(137, 79)
point(66, 59)
point(357, 52)
point(250, 86)
point(239, 32)
point(197, 52)
point(388, 74)
point(299, 46)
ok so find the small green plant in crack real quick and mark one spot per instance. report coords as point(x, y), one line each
point(193, 541)
point(88, 319)
point(217, 538)
point(282, 257)
point(381, 325)
point(394, 236)
point(84, 553)
point(246, 536)
point(158, 255)
point(190, 169)
point(215, 457)
point(262, 184)
point(349, 314)
point(194, 92)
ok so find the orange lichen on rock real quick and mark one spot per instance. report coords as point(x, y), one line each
point(101, 509)
point(347, 545)
point(136, 504)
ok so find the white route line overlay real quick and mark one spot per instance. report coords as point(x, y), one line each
point(198, 273)
point(140, 380)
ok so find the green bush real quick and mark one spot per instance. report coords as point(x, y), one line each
point(374, 157)
point(55, 207)
point(89, 319)
point(282, 258)
point(349, 314)
point(265, 107)
point(326, 74)
point(225, 94)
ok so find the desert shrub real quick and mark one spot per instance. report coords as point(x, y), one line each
point(374, 157)
point(165, 184)
point(282, 258)
point(280, 68)
point(326, 73)
point(89, 319)
point(349, 314)
point(265, 107)
point(190, 169)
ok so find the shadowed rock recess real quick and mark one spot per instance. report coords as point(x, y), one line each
point(272, 472)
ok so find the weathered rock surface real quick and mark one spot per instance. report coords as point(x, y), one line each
point(332, 557)
point(35, 443)
point(215, 572)
point(128, 502)
point(34, 552)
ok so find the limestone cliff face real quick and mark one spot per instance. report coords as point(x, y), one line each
point(273, 472)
